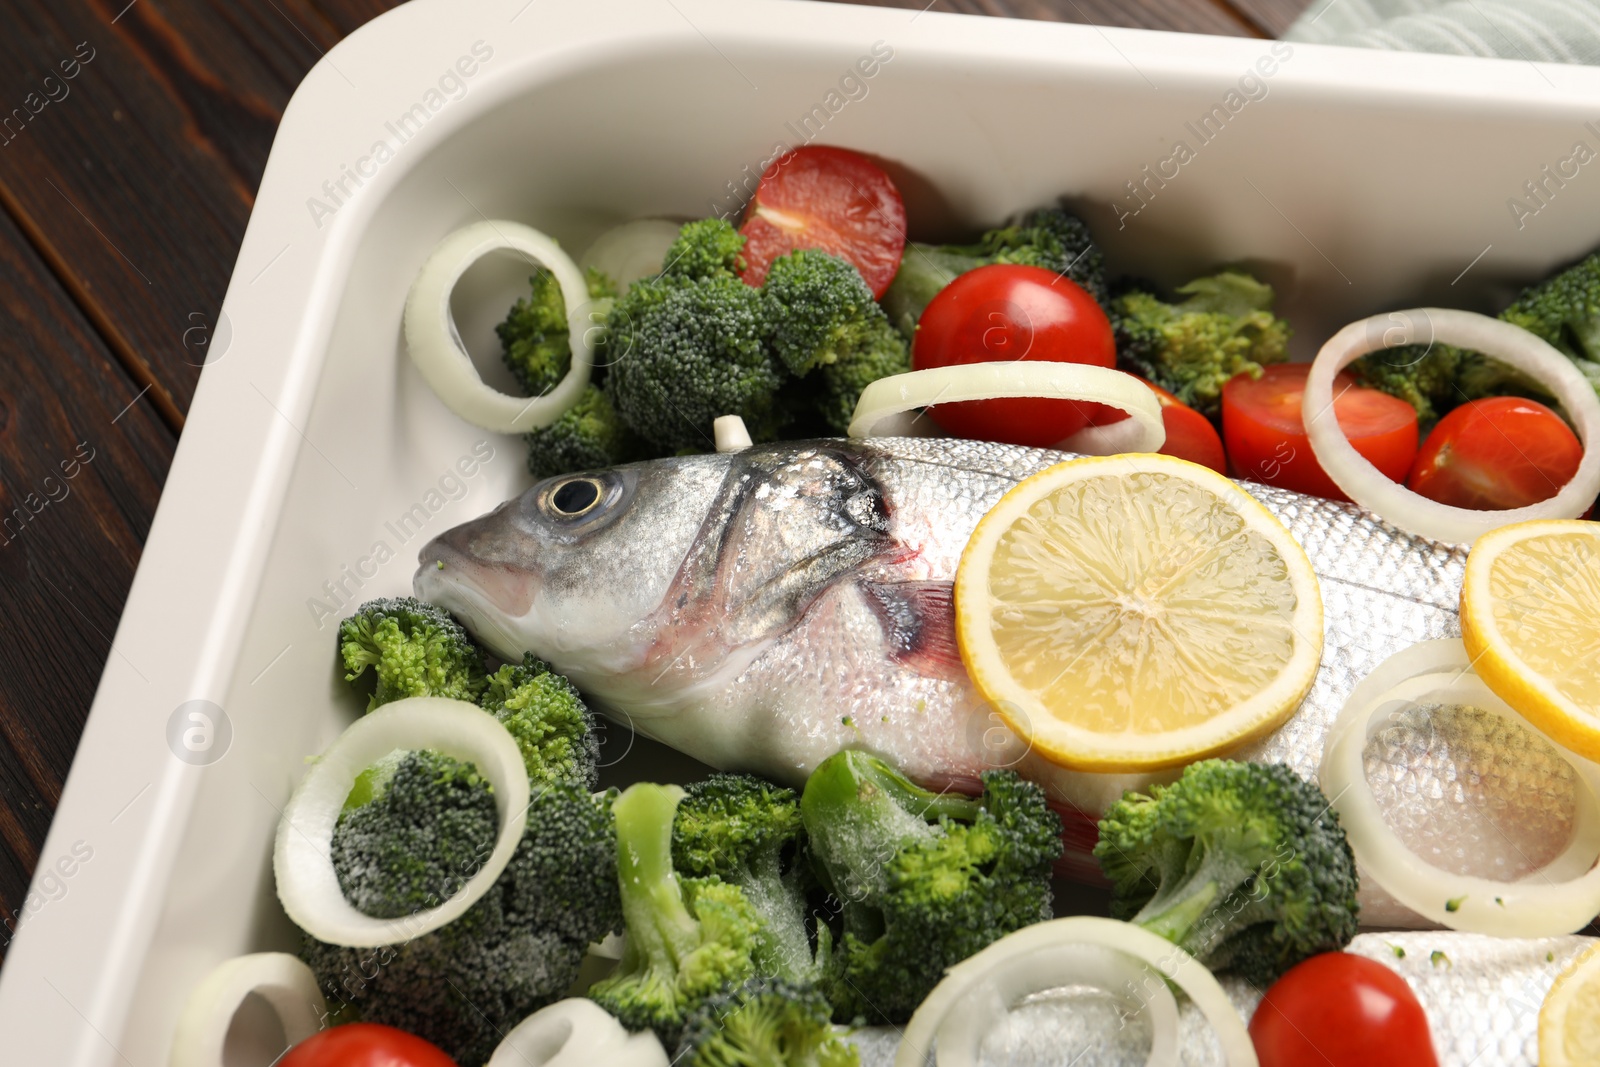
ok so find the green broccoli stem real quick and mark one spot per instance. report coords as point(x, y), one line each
point(661, 931)
point(924, 270)
point(863, 812)
point(1187, 906)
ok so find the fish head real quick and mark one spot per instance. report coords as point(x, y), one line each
point(568, 569)
point(647, 582)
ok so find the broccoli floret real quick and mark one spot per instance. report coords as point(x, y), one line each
point(925, 880)
point(534, 338)
point(748, 832)
point(1564, 309)
point(690, 345)
point(419, 829)
point(1244, 865)
point(824, 320)
point(1223, 327)
point(1424, 376)
point(1047, 237)
point(552, 725)
point(536, 347)
point(707, 248)
point(414, 649)
point(588, 435)
point(688, 938)
point(764, 1023)
point(516, 949)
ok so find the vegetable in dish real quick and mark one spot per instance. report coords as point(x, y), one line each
point(547, 717)
point(748, 832)
point(516, 949)
point(764, 1023)
point(688, 938)
point(1013, 313)
point(923, 879)
point(1343, 1011)
point(830, 199)
point(1049, 237)
point(825, 323)
point(1221, 327)
point(1436, 377)
point(1243, 865)
point(414, 650)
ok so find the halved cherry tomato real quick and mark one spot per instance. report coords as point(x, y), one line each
point(1502, 452)
point(1002, 313)
point(1266, 438)
point(827, 198)
point(365, 1045)
point(1190, 434)
point(1341, 1010)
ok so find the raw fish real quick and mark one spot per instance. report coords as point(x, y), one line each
point(761, 610)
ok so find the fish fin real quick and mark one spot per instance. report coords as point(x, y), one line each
point(919, 623)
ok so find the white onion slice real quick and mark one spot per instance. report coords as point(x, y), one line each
point(307, 885)
point(286, 984)
point(576, 1032)
point(901, 393)
point(631, 251)
point(961, 1035)
point(1560, 898)
point(1029, 952)
point(1366, 485)
point(436, 346)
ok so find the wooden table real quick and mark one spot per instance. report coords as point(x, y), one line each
point(125, 194)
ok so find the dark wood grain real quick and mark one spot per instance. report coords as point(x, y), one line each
point(122, 204)
point(67, 557)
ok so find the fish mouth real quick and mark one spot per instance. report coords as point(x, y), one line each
point(482, 595)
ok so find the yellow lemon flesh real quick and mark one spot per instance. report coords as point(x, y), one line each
point(1530, 618)
point(1137, 611)
point(1569, 1021)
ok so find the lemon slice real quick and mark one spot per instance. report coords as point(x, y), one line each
point(1530, 618)
point(1569, 1021)
point(1136, 611)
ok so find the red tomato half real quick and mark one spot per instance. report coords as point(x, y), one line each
point(1266, 438)
point(365, 1045)
point(1190, 434)
point(1003, 313)
point(827, 198)
point(1340, 1010)
point(1502, 452)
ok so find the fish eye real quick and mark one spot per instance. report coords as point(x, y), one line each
point(575, 497)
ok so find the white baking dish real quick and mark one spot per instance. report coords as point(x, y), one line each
point(1355, 181)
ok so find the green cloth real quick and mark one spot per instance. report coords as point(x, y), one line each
point(1544, 31)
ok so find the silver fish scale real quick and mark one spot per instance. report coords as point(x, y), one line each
point(1481, 995)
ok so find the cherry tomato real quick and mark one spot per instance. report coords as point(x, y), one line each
point(827, 198)
point(1002, 313)
point(1190, 434)
point(1340, 1010)
point(1502, 452)
point(1266, 438)
point(365, 1045)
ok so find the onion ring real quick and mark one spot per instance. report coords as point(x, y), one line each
point(286, 984)
point(961, 1033)
point(307, 885)
point(1539, 905)
point(576, 1032)
point(901, 393)
point(1034, 952)
point(1364, 484)
point(436, 348)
